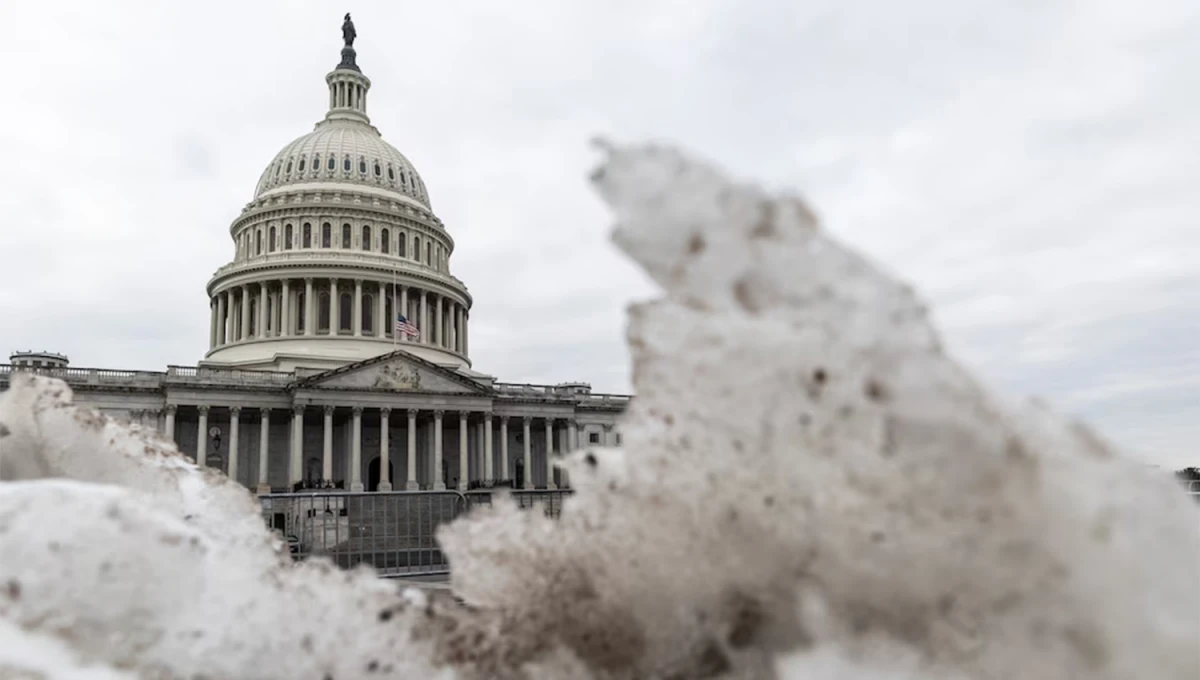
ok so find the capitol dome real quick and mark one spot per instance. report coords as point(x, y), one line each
point(338, 257)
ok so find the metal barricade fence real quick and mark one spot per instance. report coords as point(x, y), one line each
point(395, 532)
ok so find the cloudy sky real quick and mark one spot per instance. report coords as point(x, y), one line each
point(1029, 164)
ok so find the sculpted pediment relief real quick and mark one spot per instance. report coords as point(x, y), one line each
point(395, 373)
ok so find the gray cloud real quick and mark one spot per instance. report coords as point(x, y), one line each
point(1027, 165)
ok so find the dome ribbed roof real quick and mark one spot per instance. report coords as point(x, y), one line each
point(344, 152)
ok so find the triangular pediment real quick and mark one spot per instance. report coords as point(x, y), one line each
point(397, 371)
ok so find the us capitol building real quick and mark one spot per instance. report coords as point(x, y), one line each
point(309, 381)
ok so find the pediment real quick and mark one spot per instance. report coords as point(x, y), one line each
point(397, 371)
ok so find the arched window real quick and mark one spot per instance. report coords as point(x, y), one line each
point(316, 164)
point(271, 240)
point(326, 235)
point(300, 308)
point(323, 312)
point(366, 237)
point(307, 242)
point(403, 178)
point(385, 241)
point(258, 242)
point(278, 167)
point(391, 174)
point(346, 164)
point(378, 171)
point(287, 237)
point(300, 168)
point(345, 311)
point(332, 163)
point(270, 313)
point(428, 253)
point(346, 236)
point(288, 171)
point(416, 247)
point(402, 242)
point(368, 314)
point(362, 166)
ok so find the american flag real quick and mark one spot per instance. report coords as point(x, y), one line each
point(403, 326)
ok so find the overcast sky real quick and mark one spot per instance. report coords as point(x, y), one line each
point(1030, 165)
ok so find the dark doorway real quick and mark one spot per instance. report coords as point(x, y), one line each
point(519, 474)
point(373, 475)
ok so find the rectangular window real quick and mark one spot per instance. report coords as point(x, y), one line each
point(326, 235)
point(593, 437)
point(403, 242)
point(307, 235)
point(346, 236)
point(366, 237)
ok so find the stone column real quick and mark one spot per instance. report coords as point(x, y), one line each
point(335, 308)
point(385, 482)
point(202, 437)
point(425, 330)
point(550, 454)
point(327, 446)
point(356, 451)
point(528, 455)
point(466, 332)
point(438, 482)
point(264, 449)
point(296, 464)
point(463, 463)
point(262, 310)
point(169, 428)
point(356, 322)
point(245, 334)
point(403, 310)
point(220, 332)
point(573, 435)
point(235, 420)
point(212, 323)
point(309, 323)
point(504, 447)
point(285, 310)
point(412, 484)
point(488, 471)
point(382, 323)
point(441, 326)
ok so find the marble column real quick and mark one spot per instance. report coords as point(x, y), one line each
point(572, 445)
point(356, 450)
point(466, 332)
point(264, 449)
point(327, 446)
point(607, 439)
point(262, 311)
point(221, 297)
point(550, 454)
point(356, 322)
point(235, 421)
point(425, 330)
point(385, 482)
point(310, 324)
point(202, 437)
point(296, 467)
point(504, 449)
point(245, 329)
point(382, 323)
point(403, 310)
point(528, 455)
point(438, 482)
point(335, 308)
point(285, 310)
point(463, 464)
point(169, 427)
point(488, 470)
point(212, 323)
point(412, 484)
point(441, 327)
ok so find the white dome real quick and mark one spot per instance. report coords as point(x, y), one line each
point(358, 156)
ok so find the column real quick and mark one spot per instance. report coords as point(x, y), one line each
point(458, 328)
point(463, 463)
point(356, 322)
point(335, 308)
point(296, 466)
point(262, 310)
point(504, 448)
point(382, 323)
point(202, 437)
point(385, 482)
point(466, 332)
point(424, 315)
point(550, 454)
point(169, 428)
point(441, 328)
point(488, 472)
point(235, 420)
point(528, 455)
point(607, 440)
point(221, 297)
point(412, 484)
point(356, 450)
point(285, 310)
point(327, 446)
point(403, 309)
point(244, 331)
point(309, 323)
point(438, 482)
point(572, 445)
point(264, 449)
point(212, 323)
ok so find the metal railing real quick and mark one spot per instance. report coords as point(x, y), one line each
point(394, 532)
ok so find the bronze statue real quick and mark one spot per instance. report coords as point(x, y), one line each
point(348, 32)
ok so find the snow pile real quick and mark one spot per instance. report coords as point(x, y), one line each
point(809, 488)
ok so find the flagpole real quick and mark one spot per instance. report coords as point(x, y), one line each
point(395, 311)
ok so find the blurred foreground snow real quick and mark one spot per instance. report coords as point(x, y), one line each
point(809, 488)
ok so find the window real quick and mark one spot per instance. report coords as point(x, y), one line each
point(332, 163)
point(323, 312)
point(391, 174)
point(300, 310)
point(278, 167)
point(416, 247)
point(385, 241)
point(326, 235)
point(428, 253)
point(253, 318)
point(378, 172)
point(316, 164)
point(346, 236)
point(402, 241)
point(345, 311)
point(258, 242)
point(307, 243)
point(287, 237)
point(618, 439)
point(271, 240)
point(300, 168)
point(403, 178)
point(362, 166)
point(593, 437)
point(346, 164)
point(289, 169)
point(388, 314)
point(368, 314)
point(366, 237)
